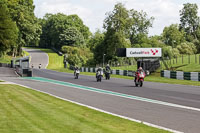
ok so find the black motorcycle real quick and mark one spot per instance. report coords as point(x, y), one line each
point(107, 74)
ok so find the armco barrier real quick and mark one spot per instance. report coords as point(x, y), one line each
point(195, 76)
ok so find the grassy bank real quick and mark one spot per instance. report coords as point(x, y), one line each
point(5, 59)
point(55, 61)
point(184, 63)
point(25, 110)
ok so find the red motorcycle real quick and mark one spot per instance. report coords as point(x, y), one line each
point(139, 78)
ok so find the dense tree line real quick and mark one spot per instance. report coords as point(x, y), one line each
point(123, 28)
point(185, 37)
point(19, 26)
point(59, 29)
point(129, 28)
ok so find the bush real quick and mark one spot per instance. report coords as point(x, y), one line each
point(167, 52)
point(77, 56)
point(187, 48)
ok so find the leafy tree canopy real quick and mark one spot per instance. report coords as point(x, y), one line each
point(8, 30)
point(60, 29)
point(172, 36)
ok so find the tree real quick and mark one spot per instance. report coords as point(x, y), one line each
point(113, 41)
point(22, 13)
point(167, 52)
point(60, 29)
point(8, 30)
point(172, 36)
point(189, 19)
point(117, 20)
point(187, 48)
point(71, 37)
point(139, 24)
point(96, 39)
point(116, 26)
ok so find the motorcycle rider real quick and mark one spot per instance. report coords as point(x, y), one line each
point(75, 68)
point(99, 70)
point(139, 70)
point(107, 71)
point(40, 65)
point(107, 67)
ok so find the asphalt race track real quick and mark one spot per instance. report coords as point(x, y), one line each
point(177, 107)
point(178, 94)
point(37, 57)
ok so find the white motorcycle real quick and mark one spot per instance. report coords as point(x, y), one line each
point(77, 72)
point(99, 76)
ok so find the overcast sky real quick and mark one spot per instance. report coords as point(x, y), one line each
point(92, 12)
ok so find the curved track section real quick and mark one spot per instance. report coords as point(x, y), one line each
point(38, 57)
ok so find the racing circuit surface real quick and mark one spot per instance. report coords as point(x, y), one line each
point(175, 107)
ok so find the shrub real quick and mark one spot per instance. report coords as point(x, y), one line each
point(77, 56)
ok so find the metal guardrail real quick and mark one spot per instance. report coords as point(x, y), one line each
point(21, 66)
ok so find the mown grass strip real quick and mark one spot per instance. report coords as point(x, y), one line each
point(25, 110)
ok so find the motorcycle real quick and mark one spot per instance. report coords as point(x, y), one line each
point(99, 76)
point(139, 79)
point(77, 72)
point(39, 66)
point(107, 74)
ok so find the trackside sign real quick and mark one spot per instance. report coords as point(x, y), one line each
point(143, 52)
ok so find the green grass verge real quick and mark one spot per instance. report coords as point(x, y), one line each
point(26, 110)
point(55, 61)
point(183, 64)
point(5, 59)
point(133, 68)
point(25, 53)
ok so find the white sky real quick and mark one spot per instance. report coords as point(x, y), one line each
point(92, 12)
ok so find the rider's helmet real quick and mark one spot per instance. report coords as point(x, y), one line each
point(107, 65)
point(140, 69)
point(100, 68)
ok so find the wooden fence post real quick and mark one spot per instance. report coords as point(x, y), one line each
point(195, 58)
point(199, 59)
point(188, 59)
point(182, 59)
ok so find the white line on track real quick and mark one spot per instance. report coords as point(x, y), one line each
point(97, 90)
